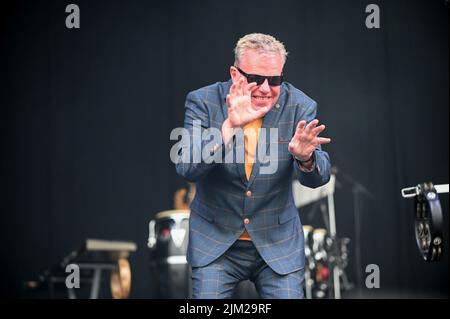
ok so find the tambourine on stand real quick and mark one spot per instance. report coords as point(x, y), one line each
point(429, 220)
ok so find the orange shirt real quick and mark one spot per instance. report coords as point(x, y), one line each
point(251, 135)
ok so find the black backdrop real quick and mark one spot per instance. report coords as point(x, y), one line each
point(86, 117)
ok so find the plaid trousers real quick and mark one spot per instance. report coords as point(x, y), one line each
point(242, 261)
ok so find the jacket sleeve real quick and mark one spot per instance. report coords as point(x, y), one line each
point(320, 175)
point(197, 157)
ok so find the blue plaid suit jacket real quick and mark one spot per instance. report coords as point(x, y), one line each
point(221, 201)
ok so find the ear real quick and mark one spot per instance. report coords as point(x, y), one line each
point(234, 73)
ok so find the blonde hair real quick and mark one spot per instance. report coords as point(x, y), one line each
point(259, 42)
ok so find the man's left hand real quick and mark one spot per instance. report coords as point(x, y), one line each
point(306, 140)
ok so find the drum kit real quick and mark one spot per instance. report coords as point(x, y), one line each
point(322, 254)
point(326, 254)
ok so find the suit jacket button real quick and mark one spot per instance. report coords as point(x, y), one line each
point(246, 221)
point(248, 194)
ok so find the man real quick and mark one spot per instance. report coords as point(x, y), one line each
point(243, 222)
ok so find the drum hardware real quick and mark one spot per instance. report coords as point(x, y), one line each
point(321, 271)
point(309, 261)
point(358, 190)
point(323, 253)
point(167, 243)
point(324, 259)
point(319, 244)
point(428, 224)
point(176, 231)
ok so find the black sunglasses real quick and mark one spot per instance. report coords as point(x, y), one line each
point(259, 79)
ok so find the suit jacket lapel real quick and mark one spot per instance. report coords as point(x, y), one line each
point(270, 121)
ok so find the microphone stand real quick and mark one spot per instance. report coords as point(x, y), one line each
point(357, 189)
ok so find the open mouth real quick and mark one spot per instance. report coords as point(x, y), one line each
point(261, 98)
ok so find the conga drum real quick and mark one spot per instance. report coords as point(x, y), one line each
point(167, 243)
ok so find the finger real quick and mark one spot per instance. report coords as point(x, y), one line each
point(316, 131)
point(248, 88)
point(233, 90)
point(311, 125)
point(300, 138)
point(241, 86)
point(300, 127)
point(323, 140)
point(237, 87)
point(228, 100)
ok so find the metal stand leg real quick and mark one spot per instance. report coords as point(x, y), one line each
point(308, 284)
point(357, 241)
point(336, 270)
point(51, 288)
point(96, 283)
point(71, 293)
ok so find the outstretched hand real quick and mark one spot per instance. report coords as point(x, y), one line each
point(306, 139)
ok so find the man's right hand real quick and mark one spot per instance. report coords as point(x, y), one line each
point(239, 101)
point(240, 109)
